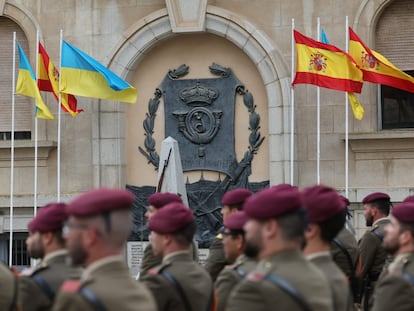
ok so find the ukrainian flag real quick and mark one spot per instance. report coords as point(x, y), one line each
point(84, 76)
point(26, 85)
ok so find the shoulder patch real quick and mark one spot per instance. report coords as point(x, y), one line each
point(219, 236)
point(71, 286)
point(153, 271)
point(255, 277)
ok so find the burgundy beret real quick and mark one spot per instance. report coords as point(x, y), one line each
point(159, 199)
point(404, 212)
point(345, 200)
point(375, 196)
point(273, 202)
point(100, 200)
point(321, 203)
point(49, 218)
point(410, 198)
point(236, 196)
point(236, 220)
point(171, 218)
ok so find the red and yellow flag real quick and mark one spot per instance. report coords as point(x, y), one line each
point(376, 68)
point(325, 65)
point(48, 81)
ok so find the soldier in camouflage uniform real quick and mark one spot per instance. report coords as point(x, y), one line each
point(96, 233)
point(156, 201)
point(395, 289)
point(326, 215)
point(242, 265)
point(232, 201)
point(38, 289)
point(283, 279)
point(345, 253)
point(178, 283)
point(373, 255)
point(8, 292)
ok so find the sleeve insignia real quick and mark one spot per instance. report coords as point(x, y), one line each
point(255, 277)
point(71, 286)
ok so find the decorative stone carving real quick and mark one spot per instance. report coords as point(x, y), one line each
point(187, 16)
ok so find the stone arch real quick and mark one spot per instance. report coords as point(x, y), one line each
point(274, 71)
point(367, 15)
point(17, 13)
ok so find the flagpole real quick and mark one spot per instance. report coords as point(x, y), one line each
point(12, 154)
point(59, 119)
point(318, 117)
point(292, 104)
point(36, 132)
point(346, 114)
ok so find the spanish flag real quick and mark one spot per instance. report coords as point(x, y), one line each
point(48, 81)
point(84, 76)
point(26, 85)
point(325, 65)
point(376, 68)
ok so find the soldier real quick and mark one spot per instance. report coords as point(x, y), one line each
point(8, 292)
point(326, 216)
point(45, 241)
point(96, 233)
point(395, 289)
point(345, 253)
point(233, 243)
point(283, 279)
point(373, 255)
point(232, 201)
point(156, 201)
point(179, 283)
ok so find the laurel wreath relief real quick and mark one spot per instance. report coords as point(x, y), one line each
point(255, 138)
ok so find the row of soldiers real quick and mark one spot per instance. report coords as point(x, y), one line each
point(322, 239)
point(277, 248)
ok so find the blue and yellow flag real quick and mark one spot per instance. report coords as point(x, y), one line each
point(84, 76)
point(26, 85)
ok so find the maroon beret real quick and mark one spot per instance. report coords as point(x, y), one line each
point(171, 218)
point(236, 196)
point(236, 220)
point(404, 212)
point(345, 200)
point(99, 201)
point(321, 203)
point(410, 198)
point(49, 218)
point(159, 199)
point(375, 196)
point(273, 202)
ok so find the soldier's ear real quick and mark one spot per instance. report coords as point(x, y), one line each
point(271, 228)
point(47, 238)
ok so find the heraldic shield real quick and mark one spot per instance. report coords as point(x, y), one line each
point(199, 114)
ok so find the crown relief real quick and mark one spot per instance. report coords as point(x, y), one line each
point(199, 94)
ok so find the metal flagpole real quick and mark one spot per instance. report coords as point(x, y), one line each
point(36, 132)
point(12, 153)
point(346, 114)
point(292, 113)
point(318, 119)
point(59, 119)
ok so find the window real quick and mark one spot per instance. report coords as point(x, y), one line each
point(394, 39)
point(397, 109)
point(20, 256)
point(23, 105)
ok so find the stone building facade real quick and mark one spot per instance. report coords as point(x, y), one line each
point(142, 40)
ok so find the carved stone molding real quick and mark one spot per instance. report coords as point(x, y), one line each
point(394, 144)
point(187, 16)
point(24, 152)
